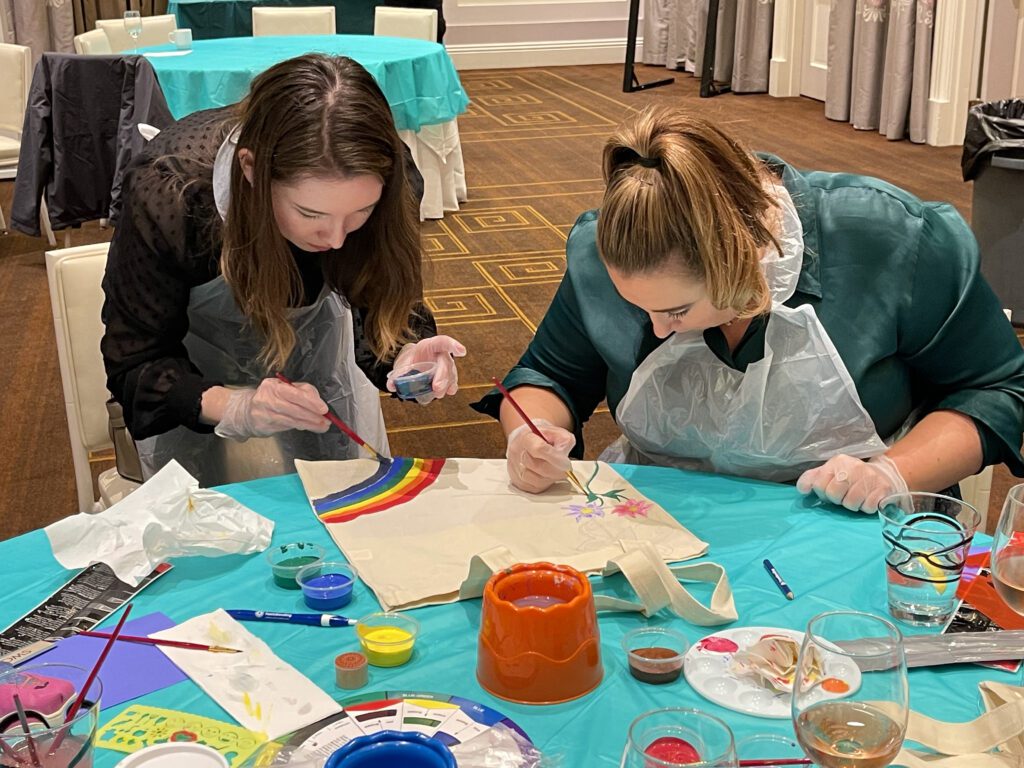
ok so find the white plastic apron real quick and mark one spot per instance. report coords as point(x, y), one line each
point(790, 411)
point(222, 345)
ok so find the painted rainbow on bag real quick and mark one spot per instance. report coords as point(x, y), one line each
point(395, 482)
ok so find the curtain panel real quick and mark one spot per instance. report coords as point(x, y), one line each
point(674, 33)
point(879, 65)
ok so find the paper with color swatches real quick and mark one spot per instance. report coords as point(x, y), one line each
point(140, 726)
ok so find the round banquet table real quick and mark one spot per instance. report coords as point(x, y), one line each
point(417, 77)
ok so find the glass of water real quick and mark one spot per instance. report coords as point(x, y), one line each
point(927, 537)
point(1008, 551)
point(133, 26)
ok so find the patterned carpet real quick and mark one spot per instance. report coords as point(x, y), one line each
point(531, 142)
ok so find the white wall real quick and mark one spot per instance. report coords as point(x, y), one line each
point(486, 34)
point(1002, 67)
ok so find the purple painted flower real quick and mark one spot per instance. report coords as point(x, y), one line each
point(585, 511)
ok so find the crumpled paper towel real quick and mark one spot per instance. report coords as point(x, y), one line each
point(168, 516)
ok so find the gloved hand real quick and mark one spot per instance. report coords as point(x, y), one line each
point(272, 407)
point(441, 350)
point(856, 484)
point(533, 465)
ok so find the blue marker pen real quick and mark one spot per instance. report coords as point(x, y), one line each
point(783, 586)
point(312, 619)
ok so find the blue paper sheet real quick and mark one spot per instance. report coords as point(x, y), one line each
point(131, 669)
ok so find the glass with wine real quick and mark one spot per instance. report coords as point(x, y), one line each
point(1008, 551)
point(133, 26)
point(850, 709)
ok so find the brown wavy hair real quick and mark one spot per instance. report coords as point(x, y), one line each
point(681, 193)
point(320, 116)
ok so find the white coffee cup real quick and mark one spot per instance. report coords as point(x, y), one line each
point(182, 39)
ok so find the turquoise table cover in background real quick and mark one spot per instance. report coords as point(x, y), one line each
point(210, 19)
point(832, 559)
point(417, 76)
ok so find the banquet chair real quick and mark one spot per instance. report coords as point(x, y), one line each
point(313, 20)
point(155, 30)
point(75, 276)
point(16, 61)
point(415, 23)
point(93, 43)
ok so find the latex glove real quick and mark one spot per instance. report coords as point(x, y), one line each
point(533, 465)
point(441, 350)
point(272, 407)
point(856, 484)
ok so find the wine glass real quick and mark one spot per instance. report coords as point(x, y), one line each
point(850, 697)
point(1008, 551)
point(133, 26)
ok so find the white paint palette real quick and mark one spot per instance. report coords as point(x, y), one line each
point(708, 669)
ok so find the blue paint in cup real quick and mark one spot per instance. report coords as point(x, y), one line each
point(388, 749)
point(415, 382)
point(327, 585)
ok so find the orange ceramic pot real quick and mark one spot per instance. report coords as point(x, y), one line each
point(539, 642)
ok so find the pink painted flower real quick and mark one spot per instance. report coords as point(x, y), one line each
point(632, 508)
point(585, 511)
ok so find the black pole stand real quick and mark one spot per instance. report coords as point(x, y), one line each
point(708, 87)
point(630, 82)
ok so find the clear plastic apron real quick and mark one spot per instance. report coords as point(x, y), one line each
point(792, 410)
point(223, 346)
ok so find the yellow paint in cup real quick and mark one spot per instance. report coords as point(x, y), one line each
point(388, 639)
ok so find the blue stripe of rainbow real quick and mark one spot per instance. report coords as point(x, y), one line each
point(395, 482)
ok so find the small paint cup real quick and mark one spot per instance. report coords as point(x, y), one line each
point(387, 749)
point(387, 638)
point(326, 585)
point(655, 654)
point(414, 383)
point(286, 560)
point(350, 670)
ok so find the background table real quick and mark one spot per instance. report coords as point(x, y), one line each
point(417, 77)
point(831, 559)
point(210, 19)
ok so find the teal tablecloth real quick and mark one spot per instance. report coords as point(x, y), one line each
point(831, 559)
point(210, 19)
point(417, 77)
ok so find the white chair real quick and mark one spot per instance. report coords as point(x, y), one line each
point(76, 295)
point(16, 64)
point(415, 23)
point(155, 30)
point(314, 20)
point(93, 43)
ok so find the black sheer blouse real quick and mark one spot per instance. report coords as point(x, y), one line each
point(168, 241)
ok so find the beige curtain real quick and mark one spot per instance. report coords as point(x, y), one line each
point(42, 25)
point(879, 65)
point(676, 31)
point(88, 11)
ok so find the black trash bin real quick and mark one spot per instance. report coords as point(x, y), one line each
point(994, 158)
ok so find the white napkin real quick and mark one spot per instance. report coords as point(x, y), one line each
point(168, 516)
point(258, 689)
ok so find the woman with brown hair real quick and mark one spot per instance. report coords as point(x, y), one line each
point(744, 317)
point(279, 235)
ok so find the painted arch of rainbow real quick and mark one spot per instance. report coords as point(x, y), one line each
point(395, 482)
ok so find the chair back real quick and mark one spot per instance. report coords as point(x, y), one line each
point(416, 23)
point(16, 64)
point(93, 43)
point(314, 20)
point(155, 31)
point(75, 277)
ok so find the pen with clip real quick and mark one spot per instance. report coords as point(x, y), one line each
point(312, 619)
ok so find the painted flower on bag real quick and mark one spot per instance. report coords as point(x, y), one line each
point(875, 10)
point(586, 511)
point(632, 508)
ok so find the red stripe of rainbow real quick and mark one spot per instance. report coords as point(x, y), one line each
point(395, 482)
